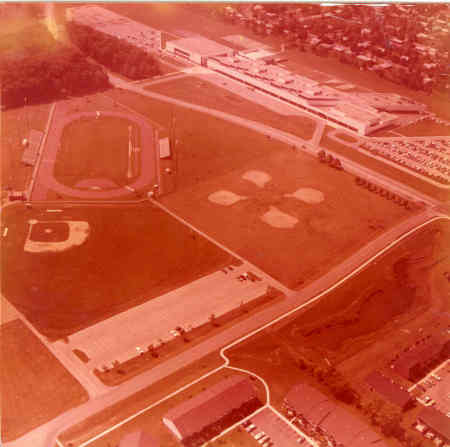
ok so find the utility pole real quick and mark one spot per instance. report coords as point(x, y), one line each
point(130, 151)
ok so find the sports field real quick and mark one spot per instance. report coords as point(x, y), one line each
point(285, 212)
point(114, 259)
point(35, 385)
point(96, 148)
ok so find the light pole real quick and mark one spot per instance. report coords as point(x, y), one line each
point(130, 150)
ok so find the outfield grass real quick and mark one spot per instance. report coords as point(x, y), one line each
point(383, 168)
point(131, 255)
point(95, 148)
point(201, 92)
point(326, 233)
point(35, 386)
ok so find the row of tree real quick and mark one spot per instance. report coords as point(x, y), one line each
point(48, 76)
point(114, 53)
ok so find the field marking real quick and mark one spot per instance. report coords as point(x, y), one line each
point(5, 231)
point(265, 326)
point(268, 278)
point(41, 151)
point(53, 211)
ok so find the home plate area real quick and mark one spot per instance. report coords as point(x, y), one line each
point(55, 236)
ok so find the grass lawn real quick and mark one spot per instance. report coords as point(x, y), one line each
point(131, 255)
point(95, 148)
point(204, 93)
point(425, 128)
point(383, 168)
point(151, 421)
point(15, 126)
point(326, 232)
point(35, 385)
point(346, 323)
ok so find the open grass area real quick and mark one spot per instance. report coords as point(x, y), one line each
point(15, 126)
point(344, 325)
point(425, 128)
point(35, 385)
point(199, 91)
point(151, 421)
point(383, 168)
point(325, 233)
point(130, 256)
point(95, 148)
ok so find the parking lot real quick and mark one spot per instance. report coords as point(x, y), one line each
point(436, 386)
point(429, 157)
point(269, 430)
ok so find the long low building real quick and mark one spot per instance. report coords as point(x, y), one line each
point(210, 407)
point(323, 101)
point(197, 49)
point(324, 416)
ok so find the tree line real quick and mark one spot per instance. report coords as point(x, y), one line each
point(114, 53)
point(44, 77)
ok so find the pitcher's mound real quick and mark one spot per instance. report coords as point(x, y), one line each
point(277, 219)
point(259, 178)
point(308, 195)
point(225, 198)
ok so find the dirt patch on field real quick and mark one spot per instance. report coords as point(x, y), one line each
point(259, 178)
point(225, 198)
point(35, 386)
point(308, 195)
point(102, 183)
point(277, 219)
point(49, 236)
point(132, 254)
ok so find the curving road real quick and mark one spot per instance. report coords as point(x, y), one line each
point(46, 434)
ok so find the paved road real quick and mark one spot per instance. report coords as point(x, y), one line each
point(287, 138)
point(45, 435)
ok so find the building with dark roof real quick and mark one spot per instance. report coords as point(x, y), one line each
point(209, 407)
point(409, 364)
point(324, 416)
point(138, 439)
point(390, 390)
point(436, 422)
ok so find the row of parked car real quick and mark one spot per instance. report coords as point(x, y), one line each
point(431, 158)
point(259, 435)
